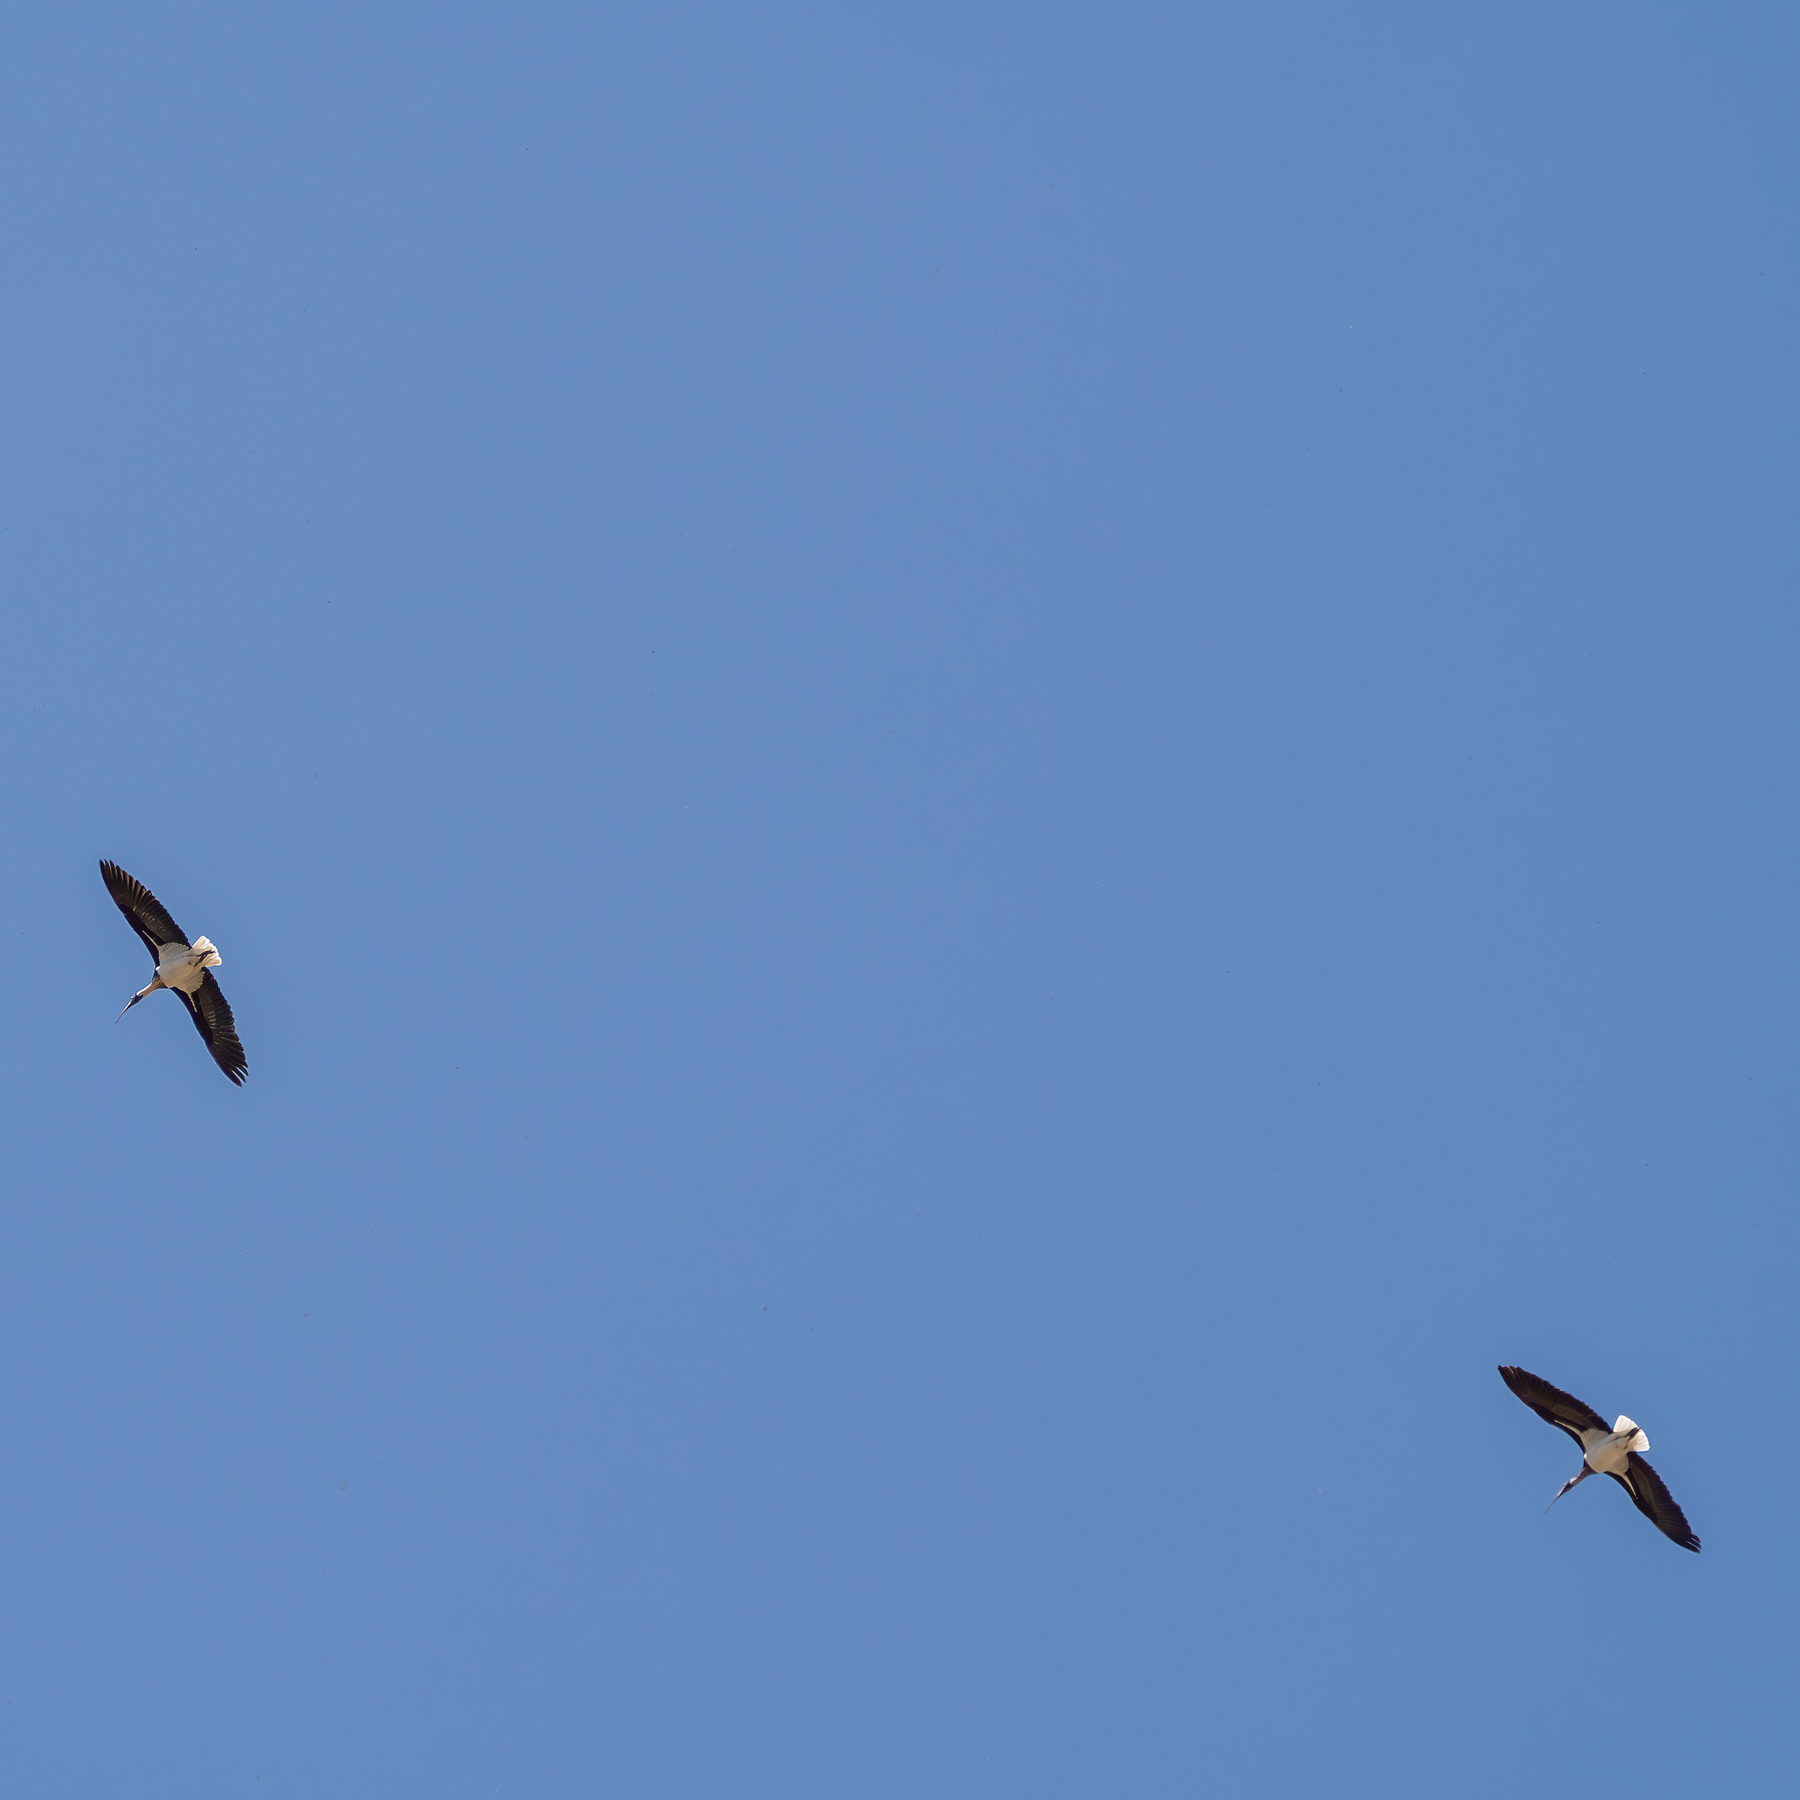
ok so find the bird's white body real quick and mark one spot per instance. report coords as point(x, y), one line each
point(1607, 1452)
point(184, 965)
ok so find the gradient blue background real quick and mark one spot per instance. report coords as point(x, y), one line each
point(980, 784)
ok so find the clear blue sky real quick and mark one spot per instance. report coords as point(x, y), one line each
point(980, 784)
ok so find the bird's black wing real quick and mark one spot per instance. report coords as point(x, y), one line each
point(142, 908)
point(1654, 1501)
point(212, 1019)
point(1552, 1405)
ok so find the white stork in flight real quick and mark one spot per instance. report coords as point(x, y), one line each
point(1616, 1451)
point(184, 969)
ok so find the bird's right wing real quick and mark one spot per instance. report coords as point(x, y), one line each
point(142, 908)
point(1655, 1501)
point(1552, 1405)
point(212, 1019)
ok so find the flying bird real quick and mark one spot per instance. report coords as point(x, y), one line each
point(184, 969)
point(1617, 1452)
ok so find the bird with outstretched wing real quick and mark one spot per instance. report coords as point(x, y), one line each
point(185, 969)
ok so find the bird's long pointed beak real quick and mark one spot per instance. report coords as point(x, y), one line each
point(129, 1004)
point(1573, 1481)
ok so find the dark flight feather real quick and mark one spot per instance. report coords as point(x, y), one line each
point(148, 917)
point(1551, 1404)
point(212, 1019)
point(1655, 1501)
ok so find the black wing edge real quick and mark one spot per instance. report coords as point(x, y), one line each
point(1551, 1404)
point(145, 912)
point(212, 1019)
point(1655, 1502)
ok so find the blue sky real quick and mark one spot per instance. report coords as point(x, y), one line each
point(980, 784)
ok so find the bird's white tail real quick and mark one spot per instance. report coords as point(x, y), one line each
point(1639, 1443)
point(213, 959)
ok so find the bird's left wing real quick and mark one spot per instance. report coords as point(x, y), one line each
point(1655, 1501)
point(148, 918)
point(1552, 1405)
point(212, 1019)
